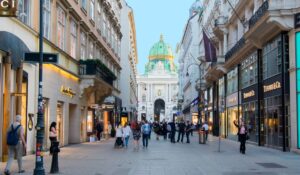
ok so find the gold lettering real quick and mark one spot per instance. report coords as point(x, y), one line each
point(67, 91)
point(249, 94)
point(273, 86)
point(4, 4)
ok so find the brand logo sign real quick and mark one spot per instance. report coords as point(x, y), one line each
point(67, 91)
point(272, 87)
point(249, 94)
point(8, 8)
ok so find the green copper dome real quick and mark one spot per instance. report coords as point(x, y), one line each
point(161, 51)
point(161, 59)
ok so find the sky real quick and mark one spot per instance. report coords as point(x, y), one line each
point(156, 17)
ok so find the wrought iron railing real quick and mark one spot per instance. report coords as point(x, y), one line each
point(98, 69)
point(259, 14)
point(235, 49)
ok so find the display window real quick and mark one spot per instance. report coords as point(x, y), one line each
point(60, 122)
point(250, 116)
point(232, 115)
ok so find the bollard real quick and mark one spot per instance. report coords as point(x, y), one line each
point(202, 139)
point(54, 164)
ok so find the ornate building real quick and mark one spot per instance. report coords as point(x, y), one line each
point(158, 86)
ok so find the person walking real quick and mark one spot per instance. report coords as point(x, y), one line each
point(242, 135)
point(188, 130)
point(16, 144)
point(164, 129)
point(181, 129)
point(146, 130)
point(52, 135)
point(205, 128)
point(127, 133)
point(99, 129)
point(119, 137)
point(136, 132)
point(173, 130)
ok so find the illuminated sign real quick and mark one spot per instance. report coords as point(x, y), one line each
point(232, 100)
point(67, 91)
point(8, 8)
point(249, 94)
point(273, 86)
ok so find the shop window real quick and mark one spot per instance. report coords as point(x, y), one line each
point(249, 71)
point(47, 18)
point(24, 11)
point(60, 122)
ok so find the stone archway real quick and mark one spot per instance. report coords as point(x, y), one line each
point(159, 109)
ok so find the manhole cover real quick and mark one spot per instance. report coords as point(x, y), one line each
point(271, 165)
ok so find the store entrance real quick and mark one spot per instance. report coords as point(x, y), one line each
point(60, 124)
point(159, 110)
point(272, 114)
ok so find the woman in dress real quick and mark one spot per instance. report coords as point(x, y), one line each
point(136, 131)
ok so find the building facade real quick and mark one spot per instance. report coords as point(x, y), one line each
point(256, 83)
point(128, 63)
point(158, 86)
point(86, 35)
point(189, 70)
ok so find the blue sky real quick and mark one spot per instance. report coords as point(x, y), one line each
point(155, 17)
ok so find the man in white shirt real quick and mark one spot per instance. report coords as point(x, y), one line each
point(205, 127)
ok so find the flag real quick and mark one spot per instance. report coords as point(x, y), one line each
point(209, 48)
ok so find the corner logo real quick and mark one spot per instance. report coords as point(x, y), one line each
point(8, 8)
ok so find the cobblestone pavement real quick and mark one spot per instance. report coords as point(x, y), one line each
point(164, 158)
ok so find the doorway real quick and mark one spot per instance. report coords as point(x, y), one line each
point(60, 122)
point(159, 110)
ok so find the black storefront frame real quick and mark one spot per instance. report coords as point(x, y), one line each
point(283, 79)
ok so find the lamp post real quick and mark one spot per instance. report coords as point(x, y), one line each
point(39, 162)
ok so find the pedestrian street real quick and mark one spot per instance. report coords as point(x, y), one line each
point(165, 158)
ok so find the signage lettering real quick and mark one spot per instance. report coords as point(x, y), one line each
point(67, 91)
point(273, 86)
point(249, 94)
point(8, 8)
point(232, 100)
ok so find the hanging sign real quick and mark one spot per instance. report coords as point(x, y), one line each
point(8, 8)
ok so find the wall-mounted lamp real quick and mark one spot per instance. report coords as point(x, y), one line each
point(30, 122)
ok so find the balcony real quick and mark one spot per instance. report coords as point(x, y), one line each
point(237, 47)
point(96, 68)
point(259, 14)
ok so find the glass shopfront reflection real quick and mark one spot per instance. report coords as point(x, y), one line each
point(250, 117)
point(233, 115)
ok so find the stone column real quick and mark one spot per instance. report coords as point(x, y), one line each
point(225, 42)
point(6, 105)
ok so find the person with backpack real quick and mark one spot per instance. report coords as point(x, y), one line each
point(146, 130)
point(16, 144)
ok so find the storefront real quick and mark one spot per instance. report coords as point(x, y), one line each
point(249, 95)
point(222, 101)
point(232, 104)
point(276, 93)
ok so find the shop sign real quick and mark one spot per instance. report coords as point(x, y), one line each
point(272, 87)
point(8, 8)
point(249, 94)
point(232, 100)
point(67, 91)
point(297, 20)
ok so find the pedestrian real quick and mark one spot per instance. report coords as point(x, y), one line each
point(16, 144)
point(126, 132)
point(181, 128)
point(205, 128)
point(52, 135)
point(188, 131)
point(146, 130)
point(242, 135)
point(164, 129)
point(119, 137)
point(136, 132)
point(99, 129)
point(173, 130)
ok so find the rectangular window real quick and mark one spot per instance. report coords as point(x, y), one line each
point(232, 81)
point(249, 71)
point(82, 46)
point(24, 11)
point(298, 83)
point(92, 9)
point(84, 4)
point(91, 52)
point(61, 24)
point(47, 18)
point(104, 27)
point(73, 38)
